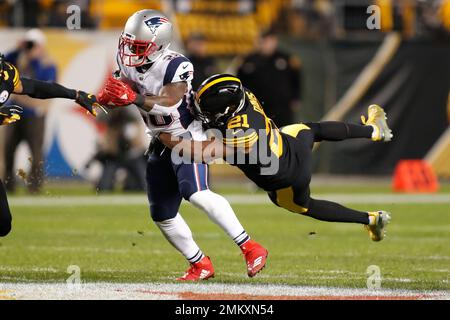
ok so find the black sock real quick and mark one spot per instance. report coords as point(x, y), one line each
point(334, 212)
point(5, 214)
point(337, 131)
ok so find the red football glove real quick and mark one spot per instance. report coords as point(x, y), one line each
point(116, 93)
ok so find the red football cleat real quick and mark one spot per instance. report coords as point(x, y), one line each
point(255, 256)
point(201, 270)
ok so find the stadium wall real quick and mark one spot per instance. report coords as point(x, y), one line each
point(412, 87)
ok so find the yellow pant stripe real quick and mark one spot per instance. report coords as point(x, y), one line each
point(285, 199)
point(294, 129)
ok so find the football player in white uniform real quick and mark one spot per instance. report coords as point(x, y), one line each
point(158, 81)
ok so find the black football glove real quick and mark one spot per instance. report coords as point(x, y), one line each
point(87, 101)
point(10, 114)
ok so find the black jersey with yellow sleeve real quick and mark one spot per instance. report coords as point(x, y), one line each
point(8, 82)
point(271, 163)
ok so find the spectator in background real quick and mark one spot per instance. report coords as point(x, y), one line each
point(121, 148)
point(204, 65)
point(32, 60)
point(274, 77)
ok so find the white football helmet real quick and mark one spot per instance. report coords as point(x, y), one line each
point(147, 34)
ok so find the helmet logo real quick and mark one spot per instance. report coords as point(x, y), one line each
point(4, 96)
point(155, 23)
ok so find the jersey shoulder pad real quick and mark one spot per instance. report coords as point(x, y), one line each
point(178, 69)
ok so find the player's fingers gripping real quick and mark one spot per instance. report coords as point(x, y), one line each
point(87, 101)
point(103, 98)
point(106, 96)
point(119, 92)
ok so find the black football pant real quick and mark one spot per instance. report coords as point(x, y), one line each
point(297, 197)
point(5, 214)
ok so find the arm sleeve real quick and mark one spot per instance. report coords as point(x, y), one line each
point(46, 90)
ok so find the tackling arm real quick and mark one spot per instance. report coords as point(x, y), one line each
point(207, 151)
point(48, 90)
point(194, 149)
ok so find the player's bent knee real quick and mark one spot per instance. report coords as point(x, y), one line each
point(287, 199)
point(209, 202)
point(161, 213)
point(187, 189)
point(294, 129)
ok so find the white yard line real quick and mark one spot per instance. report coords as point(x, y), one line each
point(151, 291)
point(114, 200)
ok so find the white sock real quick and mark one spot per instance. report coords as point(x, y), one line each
point(372, 219)
point(375, 132)
point(177, 232)
point(220, 212)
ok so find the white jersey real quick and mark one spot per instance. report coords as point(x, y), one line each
point(171, 67)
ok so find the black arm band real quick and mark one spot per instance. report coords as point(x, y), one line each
point(46, 90)
point(140, 100)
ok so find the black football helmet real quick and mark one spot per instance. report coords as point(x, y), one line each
point(218, 98)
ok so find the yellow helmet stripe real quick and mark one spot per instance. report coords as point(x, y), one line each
point(214, 82)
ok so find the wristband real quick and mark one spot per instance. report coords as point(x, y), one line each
point(140, 100)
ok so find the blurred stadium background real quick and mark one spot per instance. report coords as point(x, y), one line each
point(342, 67)
point(336, 68)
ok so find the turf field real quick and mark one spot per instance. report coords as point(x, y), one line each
point(112, 240)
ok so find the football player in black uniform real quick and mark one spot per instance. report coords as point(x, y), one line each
point(251, 138)
point(11, 82)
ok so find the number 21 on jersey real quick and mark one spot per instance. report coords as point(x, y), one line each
point(240, 121)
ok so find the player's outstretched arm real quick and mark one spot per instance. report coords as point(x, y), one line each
point(48, 90)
